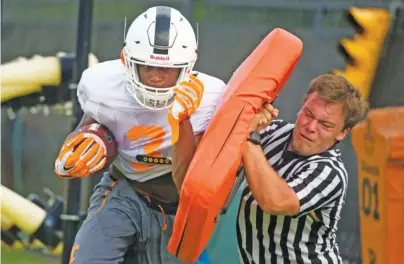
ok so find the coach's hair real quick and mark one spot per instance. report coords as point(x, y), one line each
point(338, 90)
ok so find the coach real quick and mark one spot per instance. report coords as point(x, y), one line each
point(297, 182)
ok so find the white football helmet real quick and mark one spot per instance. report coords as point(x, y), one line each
point(159, 37)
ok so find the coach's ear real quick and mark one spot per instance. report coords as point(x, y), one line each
point(341, 135)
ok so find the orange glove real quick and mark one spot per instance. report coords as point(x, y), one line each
point(187, 99)
point(81, 155)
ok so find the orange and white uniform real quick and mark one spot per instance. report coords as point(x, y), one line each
point(139, 132)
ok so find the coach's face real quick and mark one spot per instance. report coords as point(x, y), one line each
point(318, 126)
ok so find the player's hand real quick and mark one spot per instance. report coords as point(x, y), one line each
point(81, 155)
point(187, 99)
point(264, 117)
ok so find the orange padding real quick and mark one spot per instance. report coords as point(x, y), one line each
point(379, 145)
point(212, 172)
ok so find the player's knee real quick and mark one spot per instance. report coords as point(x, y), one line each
point(87, 250)
point(88, 254)
point(75, 248)
point(102, 238)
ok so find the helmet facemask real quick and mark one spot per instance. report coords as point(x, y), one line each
point(153, 98)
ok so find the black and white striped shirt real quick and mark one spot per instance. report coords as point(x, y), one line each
point(320, 182)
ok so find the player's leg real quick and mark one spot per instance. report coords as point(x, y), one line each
point(156, 225)
point(158, 231)
point(108, 229)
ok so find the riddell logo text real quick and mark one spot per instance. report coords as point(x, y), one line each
point(161, 58)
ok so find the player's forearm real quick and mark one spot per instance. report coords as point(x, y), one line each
point(272, 193)
point(85, 120)
point(183, 151)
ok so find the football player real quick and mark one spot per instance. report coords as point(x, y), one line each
point(156, 109)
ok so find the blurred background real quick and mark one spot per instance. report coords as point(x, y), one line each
point(363, 40)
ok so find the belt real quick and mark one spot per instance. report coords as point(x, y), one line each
point(151, 202)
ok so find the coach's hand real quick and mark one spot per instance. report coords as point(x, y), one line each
point(264, 117)
point(187, 99)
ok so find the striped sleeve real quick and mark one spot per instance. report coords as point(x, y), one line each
point(316, 185)
point(277, 125)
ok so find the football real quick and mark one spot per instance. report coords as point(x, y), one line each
point(104, 134)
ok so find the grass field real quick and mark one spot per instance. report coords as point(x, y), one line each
point(26, 257)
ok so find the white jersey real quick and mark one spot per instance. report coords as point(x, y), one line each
point(140, 133)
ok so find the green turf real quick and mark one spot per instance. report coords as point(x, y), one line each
point(25, 257)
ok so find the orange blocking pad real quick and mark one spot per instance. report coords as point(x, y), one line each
point(379, 145)
point(212, 173)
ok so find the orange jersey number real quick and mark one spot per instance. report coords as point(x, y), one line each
point(156, 133)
